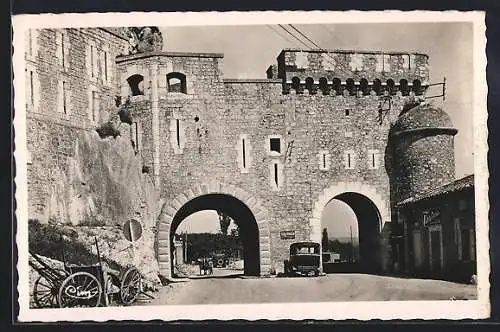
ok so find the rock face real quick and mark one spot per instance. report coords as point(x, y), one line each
point(99, 189)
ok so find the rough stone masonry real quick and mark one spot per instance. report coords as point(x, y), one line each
point(276, 150)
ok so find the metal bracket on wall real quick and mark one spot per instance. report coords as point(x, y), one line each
point(443, 93)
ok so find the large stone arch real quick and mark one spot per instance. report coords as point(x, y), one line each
point(339, 189)
point(171, 208)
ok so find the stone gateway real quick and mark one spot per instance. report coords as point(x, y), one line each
point(271, 153)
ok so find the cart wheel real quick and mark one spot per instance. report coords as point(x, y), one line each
point(45, 290)
point(130, 286)
point(80, 289)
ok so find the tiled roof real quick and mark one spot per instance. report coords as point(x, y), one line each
point(457, 185)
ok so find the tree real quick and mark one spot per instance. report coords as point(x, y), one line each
point(224, 221)
point(324, 240)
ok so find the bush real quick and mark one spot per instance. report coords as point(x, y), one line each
point(52, 241)
point(107, 130)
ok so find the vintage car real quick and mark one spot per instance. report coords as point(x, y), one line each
point(304, 259)
point(220, 260)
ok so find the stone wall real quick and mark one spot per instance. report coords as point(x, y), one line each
point(321, 121)
point(61, 73)
point(323, 140)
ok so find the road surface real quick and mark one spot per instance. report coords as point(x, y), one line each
point(225, 287)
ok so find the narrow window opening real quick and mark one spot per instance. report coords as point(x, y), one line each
point(32, 95)
point(347, 112)
point(324, 160)
point(62, 51)
point(348, 160)
point(64, 97)
point(106, 66)
point(276, 174)
point(243, 153)
point(373, 160)
point(275, 144)
point(178, 132)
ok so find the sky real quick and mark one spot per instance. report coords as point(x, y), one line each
point(249, 50)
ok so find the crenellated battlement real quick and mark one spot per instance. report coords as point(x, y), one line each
point(336, 71)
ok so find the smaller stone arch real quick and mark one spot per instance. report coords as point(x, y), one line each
point(171, 208)
point(338, 188)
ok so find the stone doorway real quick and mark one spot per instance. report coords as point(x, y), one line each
point(241, 206)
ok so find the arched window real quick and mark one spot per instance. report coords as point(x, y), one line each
point(296, 83)
point(136, 84)
point(350, 86)
point(310, 85)
point(403, 87)
point(337, 85)
point(390, 86)
point(376, 86)
point(323, 85)
point(417, 88)
point(363, 86)
point(176, 82)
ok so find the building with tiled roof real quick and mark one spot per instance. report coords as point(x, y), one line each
point(438, 228)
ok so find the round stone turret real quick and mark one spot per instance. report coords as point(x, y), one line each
point(423, 156)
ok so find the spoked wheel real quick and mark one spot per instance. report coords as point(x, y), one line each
point(45, 290)
point(80, 289)
point(131, 286)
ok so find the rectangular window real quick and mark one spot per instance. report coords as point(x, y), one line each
point(347, 112)
point(324, 160)
point(63, 52)
point(373, 159)
point(349, 161)
point(105, 66)
point(276, 179)
point(275, 145)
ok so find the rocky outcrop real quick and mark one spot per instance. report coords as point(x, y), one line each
point(98, 190)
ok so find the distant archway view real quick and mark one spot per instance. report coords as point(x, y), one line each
point(350, 231)
point(210, 240)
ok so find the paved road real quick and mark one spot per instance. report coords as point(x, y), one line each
point(227, 289)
